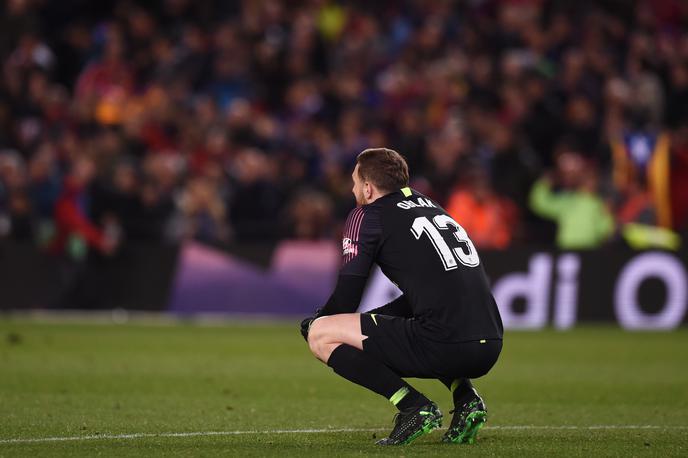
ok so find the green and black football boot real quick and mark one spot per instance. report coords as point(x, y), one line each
point(467, 421)
point(410, 425)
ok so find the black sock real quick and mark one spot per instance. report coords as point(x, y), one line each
point(462, 389)
point(412, 399)
point(360, 368)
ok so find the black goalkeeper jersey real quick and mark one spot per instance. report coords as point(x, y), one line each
point(430, 257)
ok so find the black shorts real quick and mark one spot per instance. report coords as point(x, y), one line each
point(393, 341)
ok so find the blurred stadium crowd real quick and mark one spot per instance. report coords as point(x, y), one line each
point(532, 121)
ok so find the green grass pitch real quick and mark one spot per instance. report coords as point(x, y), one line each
point(146, 389)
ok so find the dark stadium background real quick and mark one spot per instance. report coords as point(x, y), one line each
point(166, 154)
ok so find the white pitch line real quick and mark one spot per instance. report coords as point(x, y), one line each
point(185, 434)
point(310, 431)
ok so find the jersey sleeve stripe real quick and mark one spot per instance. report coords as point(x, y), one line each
point(353, 235)
point(347, 225)
point(355, 227)
point(349, 230)
point(357, 231)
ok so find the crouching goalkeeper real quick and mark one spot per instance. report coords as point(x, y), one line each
point(445, 326)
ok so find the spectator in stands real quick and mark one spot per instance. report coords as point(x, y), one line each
point(583, 220)
point(184, 89)
point(490, 220)
point(15, 206)
point(75, 232)
point(201, 214)
point(310, 216)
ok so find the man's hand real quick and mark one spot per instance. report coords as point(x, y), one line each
point(305, 326)
point(306, 323)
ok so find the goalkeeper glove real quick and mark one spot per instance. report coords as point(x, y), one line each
point(306, 324)
point(305, 327)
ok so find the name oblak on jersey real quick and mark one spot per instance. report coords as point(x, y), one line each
point(422, 202)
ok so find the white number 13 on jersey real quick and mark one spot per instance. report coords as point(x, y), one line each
point(466, 253)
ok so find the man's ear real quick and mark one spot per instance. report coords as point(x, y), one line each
point(368, 190)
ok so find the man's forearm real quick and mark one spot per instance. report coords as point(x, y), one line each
point(346, 296)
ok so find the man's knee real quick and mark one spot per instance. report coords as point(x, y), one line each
point(327, 333)
point(317, 338)
point(321, 342)
point(314, 343)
